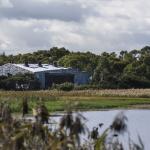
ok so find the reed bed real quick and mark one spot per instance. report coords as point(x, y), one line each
point(85, 100)
point(143, 93)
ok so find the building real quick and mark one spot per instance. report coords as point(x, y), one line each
point(47, 74)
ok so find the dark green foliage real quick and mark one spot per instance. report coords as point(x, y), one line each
point(119, 124)
point(83, 61)
point(108, 70)
point(129, 70)
point(42, 114)
point(64, 86)
point(25, 107)
point(94, 134)
point(44, 56)
point(19, 82)
point(87, 87)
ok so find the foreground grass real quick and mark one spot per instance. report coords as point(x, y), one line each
point(83, 100)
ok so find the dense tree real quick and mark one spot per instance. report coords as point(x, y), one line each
point(83, 61)
point(129, 69)
point(45, 56)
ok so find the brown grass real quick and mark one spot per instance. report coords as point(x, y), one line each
point(145, 93)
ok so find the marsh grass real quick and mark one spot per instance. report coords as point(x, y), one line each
point(17, 134)
point(85, 100)
point(58, 100)
point(143, 93)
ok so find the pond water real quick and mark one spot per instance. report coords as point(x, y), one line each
point(138, 122)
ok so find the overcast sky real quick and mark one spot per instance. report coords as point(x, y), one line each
point(96, 25)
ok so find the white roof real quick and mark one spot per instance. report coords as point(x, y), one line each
point(35, 67)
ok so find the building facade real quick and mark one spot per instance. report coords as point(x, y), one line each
point(47, 74)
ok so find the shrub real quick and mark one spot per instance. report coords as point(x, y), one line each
point(67, 86)
point(19, 82)
point(86, 87)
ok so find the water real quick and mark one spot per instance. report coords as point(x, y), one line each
point(138, 122)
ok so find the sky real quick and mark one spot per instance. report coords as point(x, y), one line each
point(78, 25)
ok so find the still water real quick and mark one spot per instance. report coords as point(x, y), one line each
point(138, 122)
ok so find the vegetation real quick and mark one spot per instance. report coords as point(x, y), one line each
point(82, 61)
point(19, 82)
point(43, 56)
point(85, 100)
point(108, 70)
point(64, 86)
point(22, 134)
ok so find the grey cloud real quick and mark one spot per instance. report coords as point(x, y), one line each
point(96, 25)
point(5, 4)
point(29, 9)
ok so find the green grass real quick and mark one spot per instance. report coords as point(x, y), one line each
point(82, 103)
point(84, 100)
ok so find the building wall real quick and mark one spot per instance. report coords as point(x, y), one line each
point(41, 77)
point(81, 78)
point(58, 78)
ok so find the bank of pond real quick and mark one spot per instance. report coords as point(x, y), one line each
point(73, 129)
point(138, 124)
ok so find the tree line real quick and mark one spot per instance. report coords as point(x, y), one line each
point(128, 69)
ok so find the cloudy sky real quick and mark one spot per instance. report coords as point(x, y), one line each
point(96, 25)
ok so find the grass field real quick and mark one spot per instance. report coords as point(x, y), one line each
point(82, 100)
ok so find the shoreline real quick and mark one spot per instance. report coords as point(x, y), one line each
point(58, 113)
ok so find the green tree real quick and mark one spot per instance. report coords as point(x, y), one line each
point(83, 61)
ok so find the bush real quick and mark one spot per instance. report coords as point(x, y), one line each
point(19, 82)
point(135, 82)
point(64, 86)
point(34, 85)
point(86, 87)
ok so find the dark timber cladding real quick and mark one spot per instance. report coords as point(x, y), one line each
point(58, 78)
